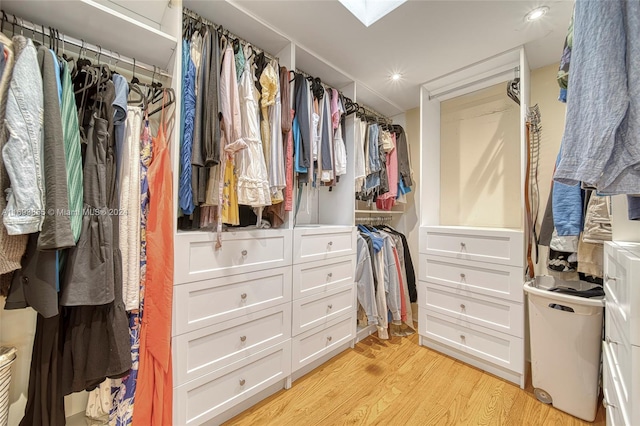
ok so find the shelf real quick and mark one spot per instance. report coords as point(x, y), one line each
point(379, 212)
point(99, 25)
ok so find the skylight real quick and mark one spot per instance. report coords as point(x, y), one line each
point(369, 11)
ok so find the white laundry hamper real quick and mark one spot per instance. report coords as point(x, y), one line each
point(566, 340)
point(7, 356)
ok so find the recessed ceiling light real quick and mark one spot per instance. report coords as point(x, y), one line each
point(536, 13)
point(396, 76)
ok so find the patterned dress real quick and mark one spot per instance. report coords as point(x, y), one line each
point(123, 395)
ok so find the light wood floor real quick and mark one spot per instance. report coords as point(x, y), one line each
point(398, 382)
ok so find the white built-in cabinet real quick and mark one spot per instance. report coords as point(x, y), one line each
point(470, 288)
point(621, 348)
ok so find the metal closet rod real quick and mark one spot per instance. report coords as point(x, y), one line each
point(220, 29)
point(373, 219)
point(13, 20)
point(325, 85)
point(376, 113)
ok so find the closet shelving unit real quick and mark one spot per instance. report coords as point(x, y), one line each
point(470, 297)
point(300, 277)
point(151, 38)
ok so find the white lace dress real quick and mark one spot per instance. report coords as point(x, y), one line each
point(253, 182)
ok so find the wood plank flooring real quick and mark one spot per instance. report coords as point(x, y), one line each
point(398, 382)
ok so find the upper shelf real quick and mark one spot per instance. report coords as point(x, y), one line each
point(100, 25)
point(239, 22)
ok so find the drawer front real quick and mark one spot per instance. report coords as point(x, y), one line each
point(204, 303)
point(504, 247)
point(619, 352)
point(315, 343)
point(244, 251)
point(202, 399)
point(316, 310)
point(617, 413)
point(474, 278)
point(318, 277)
point(312, 244)
point(496, 314)
point(209, 349)
point(622, 272)
point(498, 348)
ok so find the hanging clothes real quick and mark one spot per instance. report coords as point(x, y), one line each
point(130, 203)
point(232, 142)
point(268, 83)
point(277, 178)
point(124, 392)
point(253, 182)
point(154, 397)
point(185, 184)
point(12, 247)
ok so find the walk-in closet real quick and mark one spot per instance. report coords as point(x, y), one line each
point(330, 212)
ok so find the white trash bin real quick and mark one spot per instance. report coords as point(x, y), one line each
point(7, 356)
point(566, 339)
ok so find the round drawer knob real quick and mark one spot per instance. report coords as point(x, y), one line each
point(462, 306)
point(244, 252)
point(330, 243)
point(330, 306)
point(243, 296)
point(609, 341)
point(243, 338)
point(462, 337)
point(608, 278)
point(463, 276)
point(463, 245)
point(330, 274)
point(242, 382)
point(329, 338)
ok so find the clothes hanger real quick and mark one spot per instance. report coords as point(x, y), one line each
point(171, 99)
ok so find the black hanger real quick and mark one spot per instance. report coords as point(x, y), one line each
point(171, 100)
point(134, 79)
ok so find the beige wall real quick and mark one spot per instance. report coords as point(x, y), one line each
point(480, 160)
point(544, 92)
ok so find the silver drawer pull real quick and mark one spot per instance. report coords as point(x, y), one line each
point(330, 274)
point(462, 306)
point(242, 382)
point(462, 276)
point(243, 338)
point(611, 342)
point(330, 306)
point(243, 296)
point(607, 404)
point(244, 253)
point(608, 278)
point(329, 338)
point(463, 246)
point(462, 337)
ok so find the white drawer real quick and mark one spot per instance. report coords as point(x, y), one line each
point(498, 348)
point(622, 274)
point(208, 396)
point(318, 277)
point(313, 344)
point(619, 350)
point(496, 314)
point(323, 242)
point(501, 246)
point(616, 409)
point(470, 277)
point(316, 310)
point(209, 349)
point(204, 303)
point(243, 251)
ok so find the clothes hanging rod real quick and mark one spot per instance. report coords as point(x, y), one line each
point(370, 220)
point(13, 20)
point(193, 15)
point(325, 85)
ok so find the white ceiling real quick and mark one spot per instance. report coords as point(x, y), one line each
point(422, 40)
